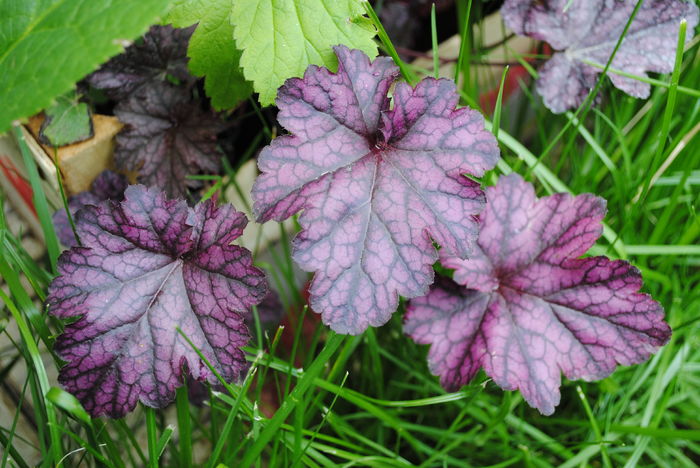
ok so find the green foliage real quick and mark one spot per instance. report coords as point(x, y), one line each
point(212, 50)
point(67, 121)
point(47, 45)
point(281, 38)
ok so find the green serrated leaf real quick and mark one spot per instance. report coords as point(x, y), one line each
point(280, 38)
point(47, 45)
point(212, 50)
point(67, 121)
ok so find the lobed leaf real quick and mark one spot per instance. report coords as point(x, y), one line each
point(587, 31)
point(161, 52)
point(212, 50)
point(280, 39)
point(376, 185)
point(147, 266)
point(167, 137)
point(526, 308)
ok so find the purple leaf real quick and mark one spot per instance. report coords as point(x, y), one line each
point(167, 137)
point(150, 264)
point(587, 31)
point(270, 312)
point(106, 186)
point(528, 309)
point(376, 186)
point(162, 51)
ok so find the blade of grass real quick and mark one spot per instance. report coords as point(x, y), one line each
point(390, 49)
point(163, 441)
point(668, 112)
point(595, 427)
point(38, 367)
point(152, 435)
point(303, 384)
point(64, 198)
point(464, 49)
point(499, 102)
point(39, 198)
point(184, 428)
point(231, 418)
point(434, 39)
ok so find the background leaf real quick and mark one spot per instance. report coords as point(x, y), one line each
point(67, 121)
point(212, 50)
point(167, 137)
point(280, 39)
point(47, 45)
point(106, 186)
point(162, 51)
point(587, 32)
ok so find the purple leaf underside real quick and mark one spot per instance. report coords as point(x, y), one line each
point(148, 265)
point(526, 308)
point(587, 31)
point(375, 185)
point(167, 137)
point(107, 185)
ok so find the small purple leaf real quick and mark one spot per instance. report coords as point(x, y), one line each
point(148, 265)
point(528, 309)
point(587, 31)
point(162, 51)
point(106, 186)
point(376, 185)
point(167, 137)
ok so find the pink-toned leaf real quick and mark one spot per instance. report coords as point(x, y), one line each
point(587, 31)
point(528, 309)
point(167, 137)
point(375, 185)
point(148, 265)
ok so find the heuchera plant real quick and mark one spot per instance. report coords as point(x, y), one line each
point(147, 266)
point(106, 186)
point(377, 184)
point(167, 137)
point(162, 51)
point(526, 308)
point(587, 31)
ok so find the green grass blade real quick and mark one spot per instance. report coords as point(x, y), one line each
point(668, 112)
point(39, 198)
point(184, 429)
point(294, 398)
point(386, 42)
point(434, 40)
point(38, 367)
point(152, 434)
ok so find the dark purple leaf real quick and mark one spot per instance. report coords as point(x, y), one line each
point(148, 265)
point(587, 31)
point(106, 186)
point(528, 309)
point(376, 186)
point(109, 186)
point(167, 137)
point(162, 51)
point(270, 312)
